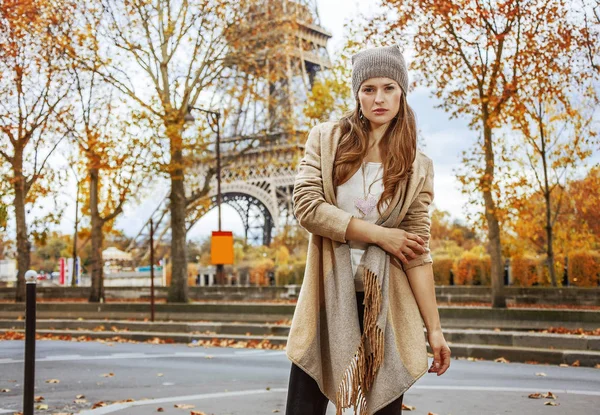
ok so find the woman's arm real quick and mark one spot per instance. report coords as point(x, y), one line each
point(423, 288)
point(397, 242)
point(311, 209)
point(419, 272)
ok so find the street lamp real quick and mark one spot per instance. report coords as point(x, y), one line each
point(213, 118)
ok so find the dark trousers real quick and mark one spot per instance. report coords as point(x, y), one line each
point(304, 396)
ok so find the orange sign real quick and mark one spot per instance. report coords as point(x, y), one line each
point(221, 248)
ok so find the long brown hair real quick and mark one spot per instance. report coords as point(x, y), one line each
point(398, 146)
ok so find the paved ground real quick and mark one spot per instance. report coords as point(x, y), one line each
point(226, 381)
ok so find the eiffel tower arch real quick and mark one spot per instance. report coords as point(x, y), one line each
point(259, 186)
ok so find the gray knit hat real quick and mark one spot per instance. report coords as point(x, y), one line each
point(385, 61)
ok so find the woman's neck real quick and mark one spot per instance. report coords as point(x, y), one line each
point(376, 133)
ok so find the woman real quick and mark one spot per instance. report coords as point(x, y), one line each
point(363, 192)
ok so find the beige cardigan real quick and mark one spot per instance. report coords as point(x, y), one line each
point(309, 343)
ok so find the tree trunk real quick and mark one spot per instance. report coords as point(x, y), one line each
point(548, 199)
point(494, 247)
point(178, 290)
point(96, 262)
point(23, 244)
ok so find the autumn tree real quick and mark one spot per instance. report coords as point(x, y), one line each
point(587, 14)
point(551, 115)
point(576, 226)
point(116, 161)
point(112, 137)
point(583, 196)
point(557, 142)
point(169, 57)
point(46, 256)
point(33, 88)
point(471, 54)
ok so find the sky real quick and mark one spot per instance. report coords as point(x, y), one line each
point(443, 141)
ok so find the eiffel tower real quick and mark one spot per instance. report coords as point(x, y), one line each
point(258, 184)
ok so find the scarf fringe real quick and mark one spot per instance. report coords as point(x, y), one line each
point(360, 374)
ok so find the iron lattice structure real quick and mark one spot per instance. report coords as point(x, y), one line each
point(258, 182)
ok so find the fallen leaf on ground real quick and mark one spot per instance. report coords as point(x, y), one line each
point(80, 401)
point(108, 375)
point(540, 374)
point(563, 365)
point(550, 395)
point(53, 381)
point(184, 406)
point(275, 410)
point(501, 360)
point(197, 413)
point(597, 366)
point(160, 410)
point(576, 363)
point(5, 390)
point(38, 398)
point(551, 403)
point(408, 407)
point(431, 413)
point(580, 331)
point(99, 405)
point(535, 395)
point(42, 407)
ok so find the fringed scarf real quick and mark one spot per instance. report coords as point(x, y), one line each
point(370, 351)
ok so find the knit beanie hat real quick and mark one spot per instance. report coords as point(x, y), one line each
point(385, 61)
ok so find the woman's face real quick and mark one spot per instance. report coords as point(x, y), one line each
point(379, 100)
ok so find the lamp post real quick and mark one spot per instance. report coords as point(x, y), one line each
point(214, 117)
point(75, 271)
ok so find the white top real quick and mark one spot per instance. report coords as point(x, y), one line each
point(347, 195)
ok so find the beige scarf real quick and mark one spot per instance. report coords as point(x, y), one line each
point(365, 372)
point(369, 349)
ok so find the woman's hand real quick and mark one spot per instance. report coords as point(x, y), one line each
point(441, 352)
point(400, 243)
